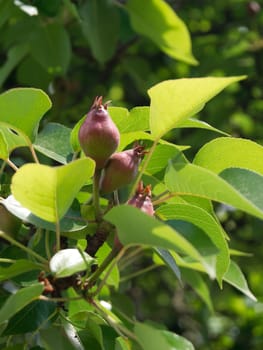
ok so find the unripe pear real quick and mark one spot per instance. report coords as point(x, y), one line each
point(143, 199)
point(98, 135)
point(121, 169)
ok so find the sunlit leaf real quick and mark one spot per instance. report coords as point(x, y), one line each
point(49, 191)
point(174, 101)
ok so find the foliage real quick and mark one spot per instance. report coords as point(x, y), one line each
point(57, 276)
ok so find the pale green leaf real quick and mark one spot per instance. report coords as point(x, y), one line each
point(13, 139)
point(227, 152)
point(66, 262)
point(235, 277)
point(49, 191)
point(156, 20)
point(137, 119)
point(199, 124)
point(155, 339)
point(4, 154)
point(174, 101)
point(22, 109)
point(207, 223)
point(135, 227)
point(189, 179)
point(19, 300)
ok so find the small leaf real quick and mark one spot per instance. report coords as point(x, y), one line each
point(22, 109)
point(20, 299)
point(156, 339)
point(169, 260)
point(49, 191)
point(66, 262)
point(54, 142)
point(135, 227)
point(241, 153)
point(235, 277)
point(158, 21)
point(174, 101)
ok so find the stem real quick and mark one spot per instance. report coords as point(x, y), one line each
point(7, 261)
point(144, 166)
point(59, 300)
point(57, 236)
point(138, 273)
point(47, 248)
point(2, 167)
point(163, 199)
point(21, 246)
point(11, 164)
point(96, 195)
point(32, 150)
point(103, 265)
point(129, 258)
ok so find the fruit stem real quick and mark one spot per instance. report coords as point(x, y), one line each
point(34, 155)
point(96, 194)
point(144, 166)
point(11, 164)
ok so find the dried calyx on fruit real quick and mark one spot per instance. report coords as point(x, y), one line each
point(121, 169)
point(98, 135)
point(143, 199)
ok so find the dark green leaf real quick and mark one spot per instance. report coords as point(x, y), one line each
point(17, 268)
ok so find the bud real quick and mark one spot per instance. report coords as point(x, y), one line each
point(143, 199)
point(98, 135)
point(121, 169)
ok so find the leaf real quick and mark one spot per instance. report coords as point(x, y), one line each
point(207, 224)
point(4, 154)
point(14, 56)
point(156, 20)
point(196, 281)
point(22, 109)
point(59, 337)
point(20, 299)
point(122, 343)
point(17, 268)
point(196, 123)
point(49, 191)
point(169, 260)
point(100, 25)
point(31, 317)
point(69, 223)
point(66, 262)
point(189, 179)
point(174, 101)
point(50, 46)
point(135, 227)
point(12, 139)
point(235, 277)
point(156, 339)
point(54, 142)
point(228, 152)
point(137, 119)
point(114, 277)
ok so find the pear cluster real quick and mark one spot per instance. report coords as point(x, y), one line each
point(99, 138)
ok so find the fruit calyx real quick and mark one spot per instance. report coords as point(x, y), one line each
point(98, 135)
point(143, 199)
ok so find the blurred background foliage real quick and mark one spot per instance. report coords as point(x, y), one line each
point(75, 50)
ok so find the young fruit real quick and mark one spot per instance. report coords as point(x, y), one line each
point(143, 199)
point(121, 169)
point(98, 135)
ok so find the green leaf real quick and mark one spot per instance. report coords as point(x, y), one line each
point(114, 277)
point(207, 224)
point(31, 317)
point(4, 154)
point(59, 337)
point(20, 299)
point(196, 123)
point(235, 277)
point(14, 56)
point(69, 223)
point(100, 25)
point(189, 179)
point(12, 139)
point(122, 344)
point(227, 152)
point(17, 268)
point(49, 191)
point(135, 227)
point(22, 109)
point(66, 262)
point(156, 339)
point(50, 46)
point(174, 101)
point(169, 260)
point(196, 281)
point(137, 119)
point(156, 20)
point(54, 142)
